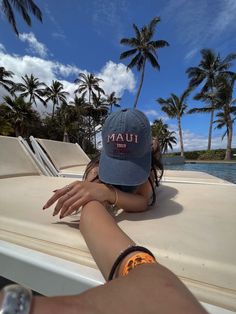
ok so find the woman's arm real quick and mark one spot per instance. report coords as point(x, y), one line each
point(137, 201)
point(102, 235)
point(149, 289)
point(79, 193)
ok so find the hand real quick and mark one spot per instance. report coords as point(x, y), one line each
point(71, 197)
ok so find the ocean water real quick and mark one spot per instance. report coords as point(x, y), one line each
point(226, 171)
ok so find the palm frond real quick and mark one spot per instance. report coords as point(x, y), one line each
point(134, 61)
point(128, 53)
point(152, 25)
point(7, 9)
point(159, 44)
point(153, 60)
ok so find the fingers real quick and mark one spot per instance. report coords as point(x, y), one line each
point(65, 202)
point(71, 197)
point(69, 209)
point(59, 193)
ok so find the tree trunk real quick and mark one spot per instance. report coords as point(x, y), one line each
point(180, 138)
point(66, 136)
point(229, 140)
point(140, 85)
point(210, 130)
point(53, 110)
point(17, 129)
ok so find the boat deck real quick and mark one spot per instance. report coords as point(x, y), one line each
point(190, 229)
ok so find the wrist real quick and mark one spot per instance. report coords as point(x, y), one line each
point(112, 195)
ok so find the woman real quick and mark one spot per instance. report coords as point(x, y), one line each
point(124, 175)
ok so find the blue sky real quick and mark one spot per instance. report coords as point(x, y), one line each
point(84, 35)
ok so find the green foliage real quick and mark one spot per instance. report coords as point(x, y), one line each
point(214, 154)
point(192, 155)
point(218, 154)
point(165, 137)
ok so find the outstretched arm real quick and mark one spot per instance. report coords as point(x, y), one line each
point(148, 288)
point(70, 198)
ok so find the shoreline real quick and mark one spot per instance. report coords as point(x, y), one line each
point(190, 161)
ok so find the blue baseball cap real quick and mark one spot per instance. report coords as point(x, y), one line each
point(126, 153)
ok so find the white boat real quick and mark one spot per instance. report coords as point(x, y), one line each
point(190, 229)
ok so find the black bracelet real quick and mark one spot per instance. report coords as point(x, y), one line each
point(123, 254)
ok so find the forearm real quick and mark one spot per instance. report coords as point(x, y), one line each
point(147, 289)
point(127, 201)
point(106, 240)
point(58, 305)
point(132, 202)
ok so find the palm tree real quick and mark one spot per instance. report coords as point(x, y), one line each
point(175, 107)
point(158, 127)
point(32, 88)
point(6, 128)
point(98, 113)
point(89, 84)
point(144, 49)
point(80, 131)
point(56, 94)
point(227, 115)
point(5, 81)
point(167, 141)
point(19, 113)
point(24, 7)
point(67, 115)
point(112, 100)
point(210, 107)
point(209, 68)
point(165, 137)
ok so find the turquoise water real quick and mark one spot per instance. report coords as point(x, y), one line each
point(223, 171)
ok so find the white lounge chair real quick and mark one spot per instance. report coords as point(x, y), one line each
point(40, 164)
point(190, 229)
point(37, 250)
point(60, 158)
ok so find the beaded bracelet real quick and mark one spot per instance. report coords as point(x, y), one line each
point(123, 254)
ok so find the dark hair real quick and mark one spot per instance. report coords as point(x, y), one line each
point(93, 163)
point(156, 173)
point(157, 168)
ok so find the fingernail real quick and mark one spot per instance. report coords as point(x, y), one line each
point(55, 191)
point(54, 214)
point(44, 207)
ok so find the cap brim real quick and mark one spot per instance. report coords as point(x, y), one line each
point(124, 172)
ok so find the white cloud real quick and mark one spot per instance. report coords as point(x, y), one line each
point(67, 70)
point(115, 76)
point(193, 141)
point(202, 23)
point(2, 48)
point(34, 45)
point(107, 13)
point(224, 18)
point(152, 112)
point(191, 54)
point(58, 33)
